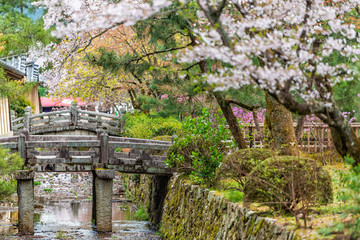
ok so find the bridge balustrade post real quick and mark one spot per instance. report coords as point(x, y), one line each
point(25, 191)
point(98, 121)
point(12, 113)
point(27, 115)
point(102, 199)
point(74, 113)
point(104, 148)
point(22, 147)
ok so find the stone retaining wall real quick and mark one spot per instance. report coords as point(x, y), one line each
point(192, 212)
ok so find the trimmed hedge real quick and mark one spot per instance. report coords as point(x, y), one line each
point(281, 181)
point(240, 163)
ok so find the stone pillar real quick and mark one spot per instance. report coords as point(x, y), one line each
point(25, 191)
point(102, 199)
point(158, 191)
point(27, 116)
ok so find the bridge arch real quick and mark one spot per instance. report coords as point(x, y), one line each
point(69, 122)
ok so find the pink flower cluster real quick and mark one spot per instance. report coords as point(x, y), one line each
point(246, 117)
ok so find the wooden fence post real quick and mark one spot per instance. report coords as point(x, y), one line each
point(104, 148)
point(74, 113)
point(27, 115)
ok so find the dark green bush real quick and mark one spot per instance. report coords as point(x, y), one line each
point(288, 182)
point(240, 163)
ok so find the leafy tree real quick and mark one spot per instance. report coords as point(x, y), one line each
point(9, 163)
point(18, 32)
point(281, 46)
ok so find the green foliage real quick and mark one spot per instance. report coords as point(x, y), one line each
point(350, 195)
point(48, 190)
point(240, 163)
point(9, 163)
point(288, 182)
point(19, 31)
point(141, 214)
point(37, 183)
point(200, 148)
point(140, 125)
point(234, 196)
point(15, 92)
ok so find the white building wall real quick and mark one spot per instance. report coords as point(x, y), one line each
point(5, 123)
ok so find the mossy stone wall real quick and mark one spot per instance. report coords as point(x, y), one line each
point(193, 212)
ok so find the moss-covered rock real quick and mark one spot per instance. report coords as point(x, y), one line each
point(284, 180)
point(240, 163)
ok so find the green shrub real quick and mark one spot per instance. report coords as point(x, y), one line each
point(37, 183)
point(200, 148)
point(9, 163)
point(140, 125)
point(288, 182)
point(240, 163)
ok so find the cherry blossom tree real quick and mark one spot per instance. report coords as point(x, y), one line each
point(285, 47)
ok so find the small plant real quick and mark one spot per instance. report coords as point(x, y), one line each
point(141, 214)
point(37, 183)
point(48, 190)
point(60, 235)
point(200, 148)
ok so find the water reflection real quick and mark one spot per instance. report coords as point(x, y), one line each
point(72, 220)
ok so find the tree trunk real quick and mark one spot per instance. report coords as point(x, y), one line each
point(281, 127)
point(228, 113)
point(231, 120)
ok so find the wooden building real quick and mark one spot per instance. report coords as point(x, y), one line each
point(18, 69)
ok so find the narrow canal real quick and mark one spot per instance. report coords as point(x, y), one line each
point(64, 218)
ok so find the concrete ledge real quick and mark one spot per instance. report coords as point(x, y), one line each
point(105, 173)
point(24, 175)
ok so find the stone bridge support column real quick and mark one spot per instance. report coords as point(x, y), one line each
point(102, 199)
point(25, 191)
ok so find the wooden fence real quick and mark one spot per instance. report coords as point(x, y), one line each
point(315, 137)
point(70, 153)
point(67, 120)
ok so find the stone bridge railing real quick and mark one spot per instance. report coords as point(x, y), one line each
point(67, 120)
point(70, 153)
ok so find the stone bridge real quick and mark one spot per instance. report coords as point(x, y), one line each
point(100, 154)
point(71, 122)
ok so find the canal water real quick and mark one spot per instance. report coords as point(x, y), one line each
point(72, 220)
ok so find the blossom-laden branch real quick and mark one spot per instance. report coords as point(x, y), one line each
point(282, 46)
